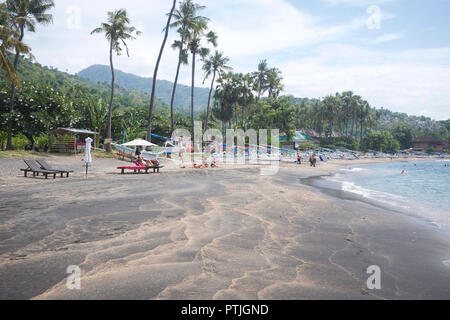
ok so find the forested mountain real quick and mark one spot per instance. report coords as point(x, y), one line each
point(102, 74)
point(34, 72)
point(419, 122)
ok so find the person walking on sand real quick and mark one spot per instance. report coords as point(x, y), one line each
point(314, 160)
point(299, 159)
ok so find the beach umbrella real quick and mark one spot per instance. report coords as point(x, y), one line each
point(139, 143)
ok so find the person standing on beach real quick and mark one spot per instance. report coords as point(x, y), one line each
point(181, 151)
point(299, 159)
point(138, 152)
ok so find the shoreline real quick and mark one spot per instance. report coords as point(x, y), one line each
point(226, 233)
point(328, 188)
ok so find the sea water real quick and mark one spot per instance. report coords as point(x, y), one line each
point(421, 189)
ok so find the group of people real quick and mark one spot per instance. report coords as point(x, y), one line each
point(312, 159)
point(205, 164)
point(140, 159)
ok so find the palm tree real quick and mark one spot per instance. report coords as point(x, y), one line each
point(116, 31)
point(356, 102)
point(9, 38)
point(364, 111)
point(330, 105)
point(346, 108)
point(274, 84)
point(224, 99)
point(213, 64)
point(195, 38)
point(185, 19)
point(260, 78)
point(245, 95)
point(155, 74)
point(25, 15)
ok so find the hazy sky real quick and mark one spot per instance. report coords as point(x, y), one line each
point(395, 53)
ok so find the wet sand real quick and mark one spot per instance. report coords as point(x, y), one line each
point(225, 233)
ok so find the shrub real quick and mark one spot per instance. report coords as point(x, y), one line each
point(19, 142)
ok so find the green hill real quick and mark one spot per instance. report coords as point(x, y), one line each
point(124, 97)
point(102, 74)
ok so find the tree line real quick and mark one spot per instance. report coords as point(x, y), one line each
point(236, 100)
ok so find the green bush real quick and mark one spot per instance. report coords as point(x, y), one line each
point(42, 141)
point(430, 150)
point(19, 142)
point(381, 141)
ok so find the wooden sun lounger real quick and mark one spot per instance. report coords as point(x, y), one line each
point(36, 170)
point(136, 169)
point(45, 166)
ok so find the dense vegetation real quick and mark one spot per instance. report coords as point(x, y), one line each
point(102, 75)
point(46, 98)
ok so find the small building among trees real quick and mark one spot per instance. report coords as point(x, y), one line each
point(427, 143)
point(68, 140)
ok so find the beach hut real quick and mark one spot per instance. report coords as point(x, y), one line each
point(68, 140)
point(295, 141)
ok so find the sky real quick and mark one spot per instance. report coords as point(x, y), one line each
point(394, 53)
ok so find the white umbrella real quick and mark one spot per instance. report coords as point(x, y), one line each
point(139, 143)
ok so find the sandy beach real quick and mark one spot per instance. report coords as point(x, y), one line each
point(227, 233)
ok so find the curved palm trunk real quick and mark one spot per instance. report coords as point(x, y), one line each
point(155, 74)
point(13, 94)
point(109, 135)
point(209, 101)
point(192, 101)
point(172, 101)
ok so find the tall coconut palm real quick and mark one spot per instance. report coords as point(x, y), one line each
point(117, 31)
point(196, 38)
point(274, 84)
point(245, 95)
point(185, 18)
point(25, 15)
point(363, 116)
point(260, 78)
point(213, 64)
point(330, 105)
point(346, 109)
point(224, 99)
point(155, 73)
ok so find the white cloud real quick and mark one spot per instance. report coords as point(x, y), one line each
point(388, 37)
point(261, 27)
point(406, 82)
point(357, 3)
